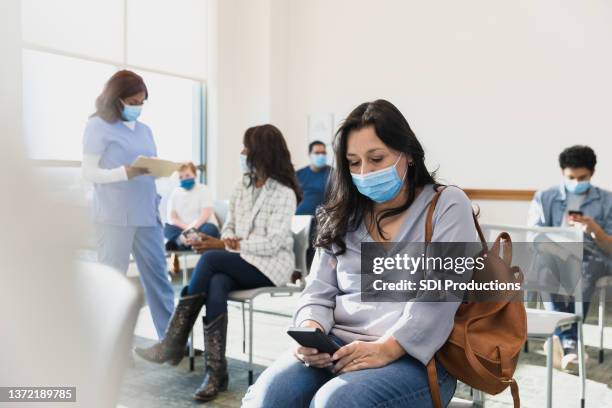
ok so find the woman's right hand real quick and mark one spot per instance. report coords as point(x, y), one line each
point(135, 171)
point(311, 356)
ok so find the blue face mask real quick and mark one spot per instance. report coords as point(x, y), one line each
point(244, 165)
point(131, 112)
point(188, 184)
point(380, 186)
point(318, 160)
point(577, 187)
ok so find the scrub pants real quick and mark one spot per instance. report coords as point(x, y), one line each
point(403, 383)
point(219, 272)
point(116, 243)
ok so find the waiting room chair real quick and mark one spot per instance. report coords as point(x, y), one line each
point(541, 324)
point(602, 284)
point(112, 326)
point(301, 232)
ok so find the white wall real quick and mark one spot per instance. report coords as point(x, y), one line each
point(494, 89)
point(10, 70)
point(247, 80)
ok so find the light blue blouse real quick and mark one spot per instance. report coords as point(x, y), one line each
point(332, 296)
point(133, 202)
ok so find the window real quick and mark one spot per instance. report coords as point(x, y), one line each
point(72, 47)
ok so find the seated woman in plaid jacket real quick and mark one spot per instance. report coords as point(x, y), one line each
point(255, 250)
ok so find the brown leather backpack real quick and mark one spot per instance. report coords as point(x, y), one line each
point(483, 348)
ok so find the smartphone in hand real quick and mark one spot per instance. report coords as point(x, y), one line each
point(191, 234)
point(314, 338)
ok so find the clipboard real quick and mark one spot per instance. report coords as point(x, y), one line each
point(157, 167)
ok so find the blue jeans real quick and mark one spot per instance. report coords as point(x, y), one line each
point(172, 232)
point(403, 383)
point(219, 272)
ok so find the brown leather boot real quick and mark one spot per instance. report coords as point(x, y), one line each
point(172, 348)
point(216, 376)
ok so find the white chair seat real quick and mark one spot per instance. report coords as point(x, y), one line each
point(604, 282)
point(460, 403)
point(542, 323)
point(249, 294)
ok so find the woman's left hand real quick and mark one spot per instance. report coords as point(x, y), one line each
point(360, 355)
point(232, 243)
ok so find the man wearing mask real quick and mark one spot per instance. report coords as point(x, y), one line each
point(313, 182)
point(577, 202)
point(313, 179)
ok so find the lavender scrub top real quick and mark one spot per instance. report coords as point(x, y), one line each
point(132, 202)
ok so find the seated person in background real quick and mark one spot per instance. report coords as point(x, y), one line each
point(550, 208)
point(256, 250)
point(380, 191)
point(189, 206)
point(313, 181)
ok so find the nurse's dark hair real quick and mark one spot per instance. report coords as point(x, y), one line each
point(345, 208)
point(578, 156)
point(121, 85)
point(268, 155)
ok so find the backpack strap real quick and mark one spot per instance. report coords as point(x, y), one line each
point(434, 388)
point(430, 211)
point(432, 372)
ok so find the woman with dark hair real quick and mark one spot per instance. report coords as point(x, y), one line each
point(255, 250)
point(125, 198)
point(379, 192)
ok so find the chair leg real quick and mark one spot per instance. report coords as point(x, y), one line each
point(581, 367)
point(191, 350)
point(549, 372)
point(243, 329)
point(601, 322)
point(251, 342)
point(478, 398)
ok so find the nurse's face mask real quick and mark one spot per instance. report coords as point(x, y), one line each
point(131, 112)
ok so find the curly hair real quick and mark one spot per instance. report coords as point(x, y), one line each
point(578, 156)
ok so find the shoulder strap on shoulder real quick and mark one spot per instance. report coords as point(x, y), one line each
point(429, 220)
point(430, 211)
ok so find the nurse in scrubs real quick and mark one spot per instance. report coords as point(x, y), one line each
point(125, 198)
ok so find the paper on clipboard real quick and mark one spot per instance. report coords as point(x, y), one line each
point(157, 167)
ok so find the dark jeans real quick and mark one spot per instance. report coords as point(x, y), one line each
point(219, 272)
point(172, 232)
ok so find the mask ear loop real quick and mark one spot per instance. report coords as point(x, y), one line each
point(409, 164)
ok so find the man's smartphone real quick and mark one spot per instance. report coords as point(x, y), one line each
point(313, 338)
point(575, 212)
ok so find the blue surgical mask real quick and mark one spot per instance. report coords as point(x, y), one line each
point(577, 187)
point(381, 185)
point(188, 184)
point(131, 112)
point(318, 160)
point(244, 165)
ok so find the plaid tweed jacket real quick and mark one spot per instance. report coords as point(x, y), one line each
point(264, 224)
